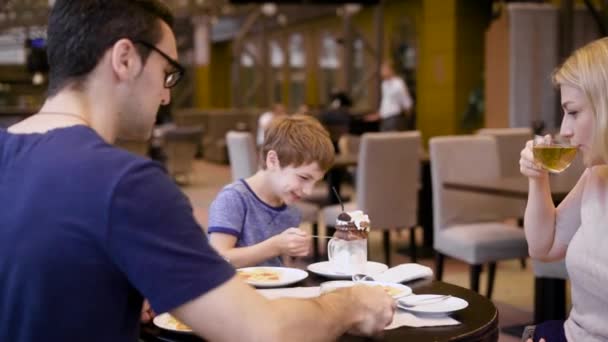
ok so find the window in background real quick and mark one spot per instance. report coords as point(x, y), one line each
point(361, 88)
point(329, 62)
point(297, 68)
point(249, 56)
point(277, 61)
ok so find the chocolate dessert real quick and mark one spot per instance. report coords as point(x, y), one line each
point(352, 226)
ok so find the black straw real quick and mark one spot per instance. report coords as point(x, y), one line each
point(338, 197)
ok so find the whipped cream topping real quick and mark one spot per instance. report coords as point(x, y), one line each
point(360, 220)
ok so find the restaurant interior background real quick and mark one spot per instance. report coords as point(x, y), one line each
point(469, 64)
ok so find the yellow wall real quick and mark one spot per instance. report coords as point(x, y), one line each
point(436, 63)
point(215, 90)
point(450, 62)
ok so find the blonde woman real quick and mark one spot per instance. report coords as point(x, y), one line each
point(577, 229)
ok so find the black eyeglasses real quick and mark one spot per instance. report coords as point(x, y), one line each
point(173, 77)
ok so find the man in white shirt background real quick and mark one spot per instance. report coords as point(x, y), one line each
point(395, 113)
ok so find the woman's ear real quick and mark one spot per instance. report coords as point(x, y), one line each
point(272, 160)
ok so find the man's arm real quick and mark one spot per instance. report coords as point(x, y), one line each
point(241, 314)
point(293, 242)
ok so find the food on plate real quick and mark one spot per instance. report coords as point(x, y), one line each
point(177, 325)
point(260, 275)
point(392, 291)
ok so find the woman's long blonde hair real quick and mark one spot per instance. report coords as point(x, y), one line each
point(587, 70)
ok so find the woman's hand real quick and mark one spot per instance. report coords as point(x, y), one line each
point(527, 165)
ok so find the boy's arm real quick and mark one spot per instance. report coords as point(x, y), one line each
point(241, 314)
point(292, 241)
point(243, 256)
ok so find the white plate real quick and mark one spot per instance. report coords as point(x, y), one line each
point(396, 290)
point(325, 269)
point(447, 306)
point(286, 276)
point(167, 322)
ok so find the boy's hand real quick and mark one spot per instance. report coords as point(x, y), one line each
point(293, 242)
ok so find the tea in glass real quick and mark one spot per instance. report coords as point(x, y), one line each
point(554, 157)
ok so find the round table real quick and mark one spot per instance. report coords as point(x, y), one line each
point(479, 320)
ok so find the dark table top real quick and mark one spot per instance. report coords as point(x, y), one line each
point(514, 187)
point(479, 320)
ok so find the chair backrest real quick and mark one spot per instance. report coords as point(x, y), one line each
point(555, 270)
point(509, 143)
point(388, 177)
point(467, 158)
point(137, 147)
point(242, 154)
point(349, 144)
point(180, 145)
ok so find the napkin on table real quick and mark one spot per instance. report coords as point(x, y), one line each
point(404, 272)
point(408, 319)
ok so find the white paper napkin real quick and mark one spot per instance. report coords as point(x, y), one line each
point(404, 272)
point(291, 292)
point(408, 319)
point(401, 318)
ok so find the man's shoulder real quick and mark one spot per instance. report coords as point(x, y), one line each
point(95, 159)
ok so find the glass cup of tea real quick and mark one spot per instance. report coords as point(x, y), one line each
point(553, 153)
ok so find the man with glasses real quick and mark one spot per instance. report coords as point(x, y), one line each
point(88, 230)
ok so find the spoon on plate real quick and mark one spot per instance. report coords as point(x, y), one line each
point(362, 277)
point(425, 301)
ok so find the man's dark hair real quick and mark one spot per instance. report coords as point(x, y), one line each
point(81, 31)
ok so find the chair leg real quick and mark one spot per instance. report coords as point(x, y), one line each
point(315, 242)
point(491, 275)
point(439, 258)
point(387, 246)
point(475, 272)
point(413, 244)
point(523, 263)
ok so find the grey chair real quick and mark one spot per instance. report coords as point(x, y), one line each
point(243, 163)
point(468, 226)
point(137, 147)
point(242, 154)
point(387, 183)
point(509, 143)
point(180, 145)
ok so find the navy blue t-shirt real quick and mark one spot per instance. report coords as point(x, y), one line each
point(86, 231)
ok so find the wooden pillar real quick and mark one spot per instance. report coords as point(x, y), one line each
point(566, 44)
point(379, 33)
point(347, 52)
point(202, 59)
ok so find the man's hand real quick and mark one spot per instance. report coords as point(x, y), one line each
point(375, 307)
point(147, 314)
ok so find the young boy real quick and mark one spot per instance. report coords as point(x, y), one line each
point(251, 221)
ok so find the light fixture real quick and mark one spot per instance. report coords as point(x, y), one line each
point(282, 19)
point(269, 9)
point(351, 9)
point(38, 79)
